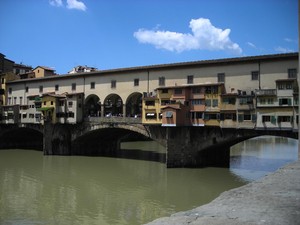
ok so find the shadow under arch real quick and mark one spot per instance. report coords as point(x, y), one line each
point(134, 104)
point(22, 138)
point(92, 106)
point(113, 105)
point(107, 141)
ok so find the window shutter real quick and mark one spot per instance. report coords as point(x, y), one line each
point(254, 117)
point(273, 119)
point(289, 101)
point(241, 117)
point(280, 101)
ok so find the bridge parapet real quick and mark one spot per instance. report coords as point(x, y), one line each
point(120, 120)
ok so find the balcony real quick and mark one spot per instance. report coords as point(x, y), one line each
point(266, 92)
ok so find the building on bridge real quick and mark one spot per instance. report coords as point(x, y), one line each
point(119, 92)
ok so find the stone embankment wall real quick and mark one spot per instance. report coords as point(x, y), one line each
point(272, 200)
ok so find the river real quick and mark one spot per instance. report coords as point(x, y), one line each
point(37, 189)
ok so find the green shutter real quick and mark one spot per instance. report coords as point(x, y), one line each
point(273, 119)
point(289, 101)
point(280, 101)
point(241, 117)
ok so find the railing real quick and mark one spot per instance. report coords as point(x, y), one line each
point(126, 120)
point(267, 92)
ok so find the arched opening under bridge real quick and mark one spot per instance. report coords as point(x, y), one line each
point(134, 105)
point(113, 105)
point(92, 106)
point(255, 157)
point(22, 138)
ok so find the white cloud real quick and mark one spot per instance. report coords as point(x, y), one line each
point(204, 36)
point(291, 40)
point(283, 49)
point(74, 4)
point(57, 3)
point(251, 45)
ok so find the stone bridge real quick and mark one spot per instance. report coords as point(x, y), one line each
point(185, 146)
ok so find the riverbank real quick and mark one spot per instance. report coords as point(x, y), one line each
point(272, 200)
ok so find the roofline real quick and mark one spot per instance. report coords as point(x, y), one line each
point(202, 63)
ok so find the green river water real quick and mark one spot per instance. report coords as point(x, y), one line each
point(37, 189)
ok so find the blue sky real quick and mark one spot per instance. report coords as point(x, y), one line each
point(110, 34)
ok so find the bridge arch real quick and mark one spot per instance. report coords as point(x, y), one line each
point(134, 104)
point(92, 105)
point(104, 140)
point(21, 138)
point(113, 105)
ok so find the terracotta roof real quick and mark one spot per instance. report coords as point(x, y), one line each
point(202, 63)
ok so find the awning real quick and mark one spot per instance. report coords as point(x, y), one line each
point(45, 108)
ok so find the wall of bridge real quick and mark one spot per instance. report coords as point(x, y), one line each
point(185, 146)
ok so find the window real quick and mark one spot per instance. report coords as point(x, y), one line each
point(9, 91)
point(221, 77)
point(161, 81)
point(2, 80)
point(71, 114)
point(136, 82)
point(208, 102)
point(215, 102)
point(289, 86)
point(197, 102)
point(165, 91)
point(150, 115)
point(56, 87)
point(270, 101)
point(70, 104)
point(26, 89)
point(41, 89)
point(51, 102)
point(228, 100)
point(150, 103)
point(284, 119)
point(178, 91)
point(73, 86)
point(281, 86)
point(190, 79)
point(247, 116)
point(285, 101)
point(292, 73)
point(61, 102)
point(254, 75)
point(92, 85)
point(113, 84)
point(262, 101)
point(196, 90)
point(266, 119)
point(21, 100)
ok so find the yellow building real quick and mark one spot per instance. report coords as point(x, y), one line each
point(43, 71)
point(151, 110)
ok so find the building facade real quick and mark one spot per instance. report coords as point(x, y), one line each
point(119, 92)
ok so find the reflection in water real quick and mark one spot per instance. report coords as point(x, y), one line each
point(37, 189)
point(259, 156)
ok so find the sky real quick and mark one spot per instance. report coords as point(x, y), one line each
point(111, 34)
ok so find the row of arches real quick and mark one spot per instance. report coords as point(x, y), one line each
point(113, 105)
